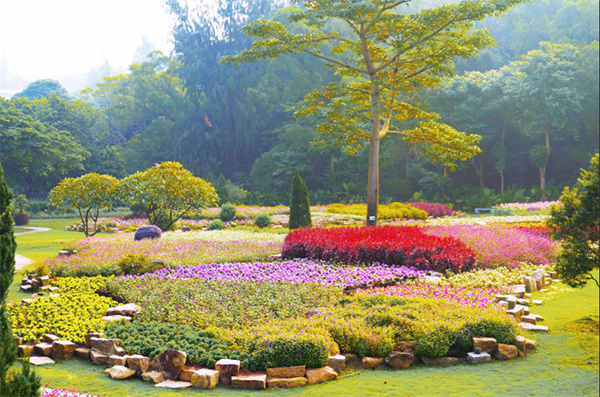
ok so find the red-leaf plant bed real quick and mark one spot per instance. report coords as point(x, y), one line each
point(390, 245)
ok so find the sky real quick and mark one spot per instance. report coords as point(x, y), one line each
point(55, 39)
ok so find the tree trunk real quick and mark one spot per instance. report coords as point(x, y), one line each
point(543, 182)
point(479, 171)
point(373, 179)
point(501, 182)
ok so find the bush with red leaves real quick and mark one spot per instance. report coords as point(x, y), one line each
point(434, 210)
point(391, 245)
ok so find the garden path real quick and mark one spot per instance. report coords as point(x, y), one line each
point(20, 260)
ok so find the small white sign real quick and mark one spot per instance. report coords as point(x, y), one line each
point(371, 218)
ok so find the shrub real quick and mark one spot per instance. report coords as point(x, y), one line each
point(299, 204)
point(227, 213)
point(434, 210)
point(21, 219)
point(216, 224)
point(390, 211)
point(147, 231)
point(390, 245)
point(262, 220)
point(287, 350)
point(435, 344)
point(132, 263)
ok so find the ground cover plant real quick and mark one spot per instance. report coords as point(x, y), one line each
point(295, 272)
point(101, 256)
point(497, 245)
point(390, 211)
point(434, 210)
point(392, 245)
point(541, 207)
point(490, 278)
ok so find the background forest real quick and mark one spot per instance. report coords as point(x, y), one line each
point(533, 98)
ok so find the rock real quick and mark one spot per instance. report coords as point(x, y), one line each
point(519, 290)
point(400, 360)
point(186, 373)
point(525, 310)
point(138, 363)
point(286, 383)
point(529, 319)
point(119, 372)
point(530, 284)
point(45, 280)
point(172, 384)
point(170, 363)
point(117, 360)
point(128, 310)
point(49, 338)
point(338, 363)
point(88, 338)
point(35, 360)
point(63, 349)
point(548, 280)
point(530, 344)
point(98, 357)
point(538, 318)
point(25, 350)
point(534, 328)
point(506, 352)
point(353, 361)
point(287, 372)
point(553, 274)
point(480, 358)
point(205, 378)
point(319, 375)
point(408, 347)
point(227, 368)
point(516, 311)
point(83, 352)
point(537, 301)
point(26, 288)
point(153, 376)
point(540, 279)
point(254, 382)
point(523, 301)
point(43, 349)
point(512, 302)
point(120, 351)
point(524, 344)
point(504, 305)
point(442, 361)
point(487, 345)
point(372, 362)
point(106, 346)
point(112, 319)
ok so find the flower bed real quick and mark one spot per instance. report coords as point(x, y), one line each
point(526, 208)
point(101, 255)
point(392, 245)
point(491, 278)
point(497, 245)
point(295, 272)
point(390, 211)
point(434, 210)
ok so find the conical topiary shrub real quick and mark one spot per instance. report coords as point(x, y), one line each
point(299, 204)
point(25, 383)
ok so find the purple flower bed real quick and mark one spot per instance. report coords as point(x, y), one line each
point(474, 297)
point(295, 272)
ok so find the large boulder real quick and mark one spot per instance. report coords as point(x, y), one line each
point(169, 363)
point(98, 357)
point(153, 377)
point(205, 378)
point(540, 279)
point(106, 346)
point(43, 349)
point(138, 363)
point(338, 363)
point(227, 368)
point(88, 338)
point(129, 310)
point(63, 349)
point(319, 375)
point(119, 372)
point(372, 362)
point(287, 372)
point(487, 345)
point(353, 361)
point(254, 382)
point(400, 360)
point(506, 352)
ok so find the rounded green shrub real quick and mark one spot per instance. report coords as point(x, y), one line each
point(227, 213)
point(21, 219)
point(262, 220)
point(216, 224)
point(435, 344)
point(287, 350)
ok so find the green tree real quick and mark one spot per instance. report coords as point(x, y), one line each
point(576, 221)
point(299, 204)
point(89, 194)
point(545, 92)
point(167, 192)
point(387, 57)
point(25, 383)
point(43, 88)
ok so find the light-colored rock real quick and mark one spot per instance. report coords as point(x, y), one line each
point(523, 301)
point(153, 377)
point(36, 360)
point(63, 349)
point(186, 373)
point(400, 360)
point(49, 338)
point(534, 328)
point(98, 357)
point(286, 383)
point(338, 363)
point(287, 372)
point(530, 284)
point(172, 384)
point(528, 319)
point(353, 361)
point(253, 382)
point(227, 368)
point(526, 310)
point(487, 345)
point(512, 302)
point(519, 290)
point(83, 352)
point(537, 301)
point(43, 349)
point(119, 372)
point(538, 318)
point(205, 378)
point(138, 363)
point(506, 352)
point(540, 279)
point(442, 361)
point(106, 346)
point(407, 346)
point(503, 304)
point(480, 358)
point(112, 319)
point(128, 310)
point(116, 360)
point(319, 375)
point(88, 338)
point(372, 362)
point(170, 363)
point(516, 312)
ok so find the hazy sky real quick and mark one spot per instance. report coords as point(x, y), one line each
point(42, 39)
